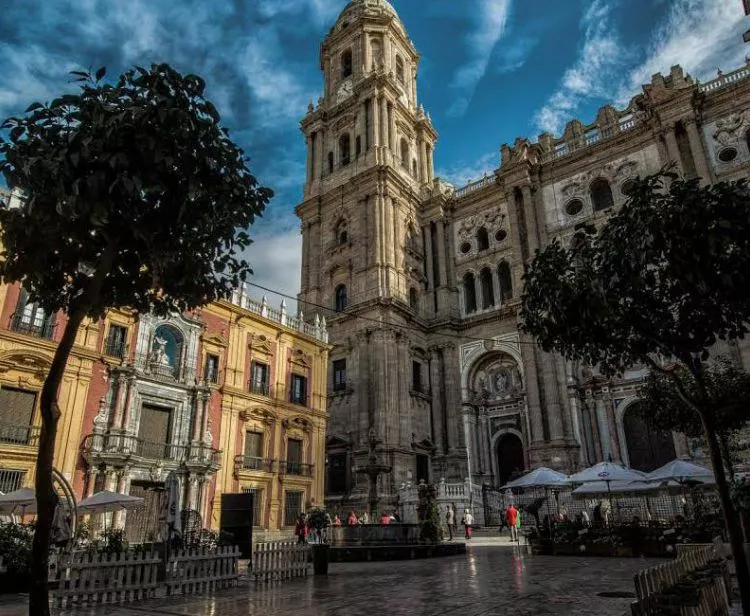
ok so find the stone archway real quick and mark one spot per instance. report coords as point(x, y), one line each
point(648, 449)
point(510, 457)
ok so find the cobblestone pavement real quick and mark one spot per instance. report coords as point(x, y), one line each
point(488, 580)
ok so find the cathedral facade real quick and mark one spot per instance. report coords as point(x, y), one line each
point(430, 376)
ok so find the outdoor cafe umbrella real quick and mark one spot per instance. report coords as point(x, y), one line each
point(681, 471)
point(106, 501)
point(607, 472)
point(24, 499)
point(541, 477)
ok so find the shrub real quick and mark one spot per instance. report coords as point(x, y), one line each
point(15, 548)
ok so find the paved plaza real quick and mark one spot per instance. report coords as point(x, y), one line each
point(488, 580)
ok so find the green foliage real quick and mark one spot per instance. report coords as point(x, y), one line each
point(741, 495)
point(318, 519)
point(114, 541)
point(15, 547)
point(430, 528)
point(140, 171)
point(668, 274)
point(727, 388)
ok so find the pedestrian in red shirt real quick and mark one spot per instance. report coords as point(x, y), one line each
point(352, 519)
point(511, 516)
point(385, 518)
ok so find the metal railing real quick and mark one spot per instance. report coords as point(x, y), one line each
point(46, 330)
point(251, 463)
point(19, 435)
point(259, 388)
point(115, 348)
point(149, 450)
point(299, 469)
point(11, 480)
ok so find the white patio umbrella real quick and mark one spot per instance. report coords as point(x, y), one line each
point(607, 472)
point(682, 472)
point(596, 488)
point(106, 501)
point(541, 477)
point(23, 499)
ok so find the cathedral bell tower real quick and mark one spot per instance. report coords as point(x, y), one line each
point(369, 156)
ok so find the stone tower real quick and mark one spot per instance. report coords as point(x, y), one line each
point(369, 157)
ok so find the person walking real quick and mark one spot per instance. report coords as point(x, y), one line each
point(300, 529)
point(467, 521)
point(511, 516)
point(352, 519)
point(385, 518)
point(518, 525)
point(450, 520)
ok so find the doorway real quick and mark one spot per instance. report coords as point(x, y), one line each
point(510, 459)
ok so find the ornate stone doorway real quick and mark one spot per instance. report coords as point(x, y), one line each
point(510, 458)
point(648, 449)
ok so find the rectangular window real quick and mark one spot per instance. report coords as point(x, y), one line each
point(292, 507)
point(153, 432)
point(211, 369)
point(416, 376)
point(257, 504)
point(253, 444)
point(298, 394)
point(10, 480)
point(116, 338)
point(16, 415)
point(259, 378)
point(337, 473)
point(294, 456)
point(339, 375)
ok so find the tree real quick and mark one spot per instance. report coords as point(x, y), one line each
point(134, 195)
point(728, 390)
point(665, 277)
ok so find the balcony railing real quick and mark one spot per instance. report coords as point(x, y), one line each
point(288, 467)
point(259, 388)
point(251, 463)
point(44, 330)
point(133, 446)
point(150, 367)
point(15, 434)
point(115, 348)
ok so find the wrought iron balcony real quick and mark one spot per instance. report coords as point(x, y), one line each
point(259, 388)
point(15, 434)
point(300, 469)
point(251, 463)
point(45, 330)
point(116, 348)
point(136, 447)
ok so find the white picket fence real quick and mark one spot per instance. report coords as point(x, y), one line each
point(656, 587)
point(280, 560)
point(88, 578)
point(202, 570)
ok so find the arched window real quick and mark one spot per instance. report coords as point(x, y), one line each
point(400, 70)
point(413, 299)
point(346, 64)
point(601, 195)
point(470, 294)
point(483, 240)
point(506, 282)
point(341, 298)
point(405, 154)
point(488, 293)
point(330, 162)
point(344, 149)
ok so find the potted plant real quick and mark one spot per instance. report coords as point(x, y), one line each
point(319, 521)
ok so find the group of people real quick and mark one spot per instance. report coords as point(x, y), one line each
point(354, 520)
point(467, 521)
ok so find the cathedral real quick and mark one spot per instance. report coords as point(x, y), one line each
point(430, 377)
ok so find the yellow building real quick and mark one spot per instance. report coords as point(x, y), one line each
point(232, 397)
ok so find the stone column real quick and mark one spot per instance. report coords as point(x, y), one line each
point(442, 262)
point(414, 88)
point(309, 143)
point(528, 357)
point(392, 126)
point(605, 438)
point(699, 153)
point(384, 140)
point(673, 150)
point(119, 400)
point(93, 472)
point(375, 120)
point(551, 397)
point(122, 488)
point(127, 410)
point(612, 421)
point(532, 229)
point(427, 234)
point(423, 156)
point(468, 413)
point(198, 420)
point(204, 415)
point(436, 407)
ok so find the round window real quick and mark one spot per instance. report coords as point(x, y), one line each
point(627, 188)
point(465, 247)
point(727, 155)
point(501, 235)
point(573, 207)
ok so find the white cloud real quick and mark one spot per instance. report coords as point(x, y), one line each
point(490, 19)
point(699, 35)
point(276, 259)
point(599, 63)
point(461, 173)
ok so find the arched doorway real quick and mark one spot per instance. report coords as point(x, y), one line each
point(510, 461)
point(648, 449)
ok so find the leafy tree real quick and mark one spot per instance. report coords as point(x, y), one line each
point(134, 195)
point(728, 390)
point(665, 277)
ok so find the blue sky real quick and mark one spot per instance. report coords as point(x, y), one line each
point(491, 70)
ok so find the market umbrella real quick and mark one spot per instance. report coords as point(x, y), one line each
point(542, 477)
point(106, 501)
point(24, 499)
point(607, 472)
point(682, 472)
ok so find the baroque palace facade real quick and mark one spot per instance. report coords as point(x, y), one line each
point(430, 375)
point(231, 396)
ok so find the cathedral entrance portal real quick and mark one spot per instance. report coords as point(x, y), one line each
point(510, 460)
point(648, 449)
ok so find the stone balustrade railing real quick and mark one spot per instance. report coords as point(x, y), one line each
point(474, 186)
point(724, 80)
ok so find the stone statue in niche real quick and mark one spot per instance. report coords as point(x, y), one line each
point(159, 352)
point(502, 380)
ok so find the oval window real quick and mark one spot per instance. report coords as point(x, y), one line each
point(501, 235)
point(627, 188)
point(465, 247)
point(573, 207)
point(727, 155)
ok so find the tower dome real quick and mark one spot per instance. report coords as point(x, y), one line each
point(358, 7)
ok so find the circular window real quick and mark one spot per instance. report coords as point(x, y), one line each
point(628, 187)
point(727, 155)
point(501, 235)
point(573, 207)
point(465, 247)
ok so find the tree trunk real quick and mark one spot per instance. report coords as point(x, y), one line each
point(45, 501)
point(724, 446)
point(730, 515)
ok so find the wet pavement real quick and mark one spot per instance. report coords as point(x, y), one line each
point(488, 580)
